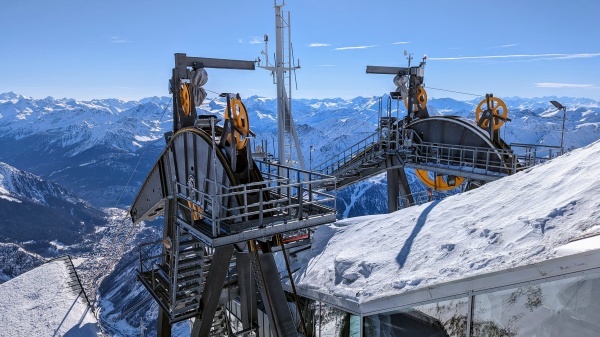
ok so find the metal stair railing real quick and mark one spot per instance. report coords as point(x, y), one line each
point(178, 294)
point(354, 151)
point(285, 195)
point(374, 147)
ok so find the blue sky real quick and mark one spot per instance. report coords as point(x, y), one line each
point(124, 49)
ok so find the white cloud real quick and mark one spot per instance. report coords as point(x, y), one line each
point(255, 40)
point(563, 85)
point(506, 45)
point(578, 56)
point(118, 39)
point(355, 47)
point(525, 56)
point(400, 42)
point(251, 40)
point(319, 45)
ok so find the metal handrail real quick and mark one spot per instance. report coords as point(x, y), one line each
point(481, 160)
point(378, 142)
point(464, 157)
point(285, 194)
point(484, 160)
point(341, 158)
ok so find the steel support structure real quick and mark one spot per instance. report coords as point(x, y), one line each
point(282, 73)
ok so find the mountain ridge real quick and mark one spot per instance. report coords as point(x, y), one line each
point(104, 138)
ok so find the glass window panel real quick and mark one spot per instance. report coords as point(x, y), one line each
point(332, 322)
point(567, 307)
point(441, 319)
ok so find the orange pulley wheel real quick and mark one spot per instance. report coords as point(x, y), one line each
point(241, 124)
point(496, 112)
point(440, 182)
point(421, 100)
point(186, 101)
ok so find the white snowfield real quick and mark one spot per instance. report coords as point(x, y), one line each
point(41, 302)
point(515, 221)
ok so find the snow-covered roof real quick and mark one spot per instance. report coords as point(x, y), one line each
point(516, 221)
point(45, 301)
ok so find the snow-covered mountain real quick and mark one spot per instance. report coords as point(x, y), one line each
point(42, 216)
point(92, 148)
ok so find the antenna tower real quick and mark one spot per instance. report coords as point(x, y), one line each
point(288, 145)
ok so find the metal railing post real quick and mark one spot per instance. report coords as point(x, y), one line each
point(300, 196)
point(245, 202)
point(260, 206)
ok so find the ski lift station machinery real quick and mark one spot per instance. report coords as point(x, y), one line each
point(226, 212)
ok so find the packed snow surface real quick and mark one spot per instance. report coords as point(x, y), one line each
point(43, 302)
point(514, 221)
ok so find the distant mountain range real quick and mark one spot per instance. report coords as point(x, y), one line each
point(64, 161)
point(93, 147)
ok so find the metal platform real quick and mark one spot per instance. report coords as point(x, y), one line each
point(403, 147)
point(287, 199)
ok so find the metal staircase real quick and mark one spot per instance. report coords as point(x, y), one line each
point(177, 277)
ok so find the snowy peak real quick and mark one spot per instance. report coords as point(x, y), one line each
point(8, 96)
point(42, 216)
point(17, 185)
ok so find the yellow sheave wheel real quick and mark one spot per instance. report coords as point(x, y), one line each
point(240, 122)
point(186, 102)
point(439, 184)
point(421, 100)
point(498, 110)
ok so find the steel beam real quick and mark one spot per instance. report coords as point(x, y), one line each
point(402, 71)
point(212, 291)
point(247, 287)
point(459, 172)
point(182, 61)
point(163, 325)
point(257, 233)
point(271, 291)
point(404, 187)
point(393, 189)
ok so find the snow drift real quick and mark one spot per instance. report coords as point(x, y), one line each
point(514, 221)
point(46, 301)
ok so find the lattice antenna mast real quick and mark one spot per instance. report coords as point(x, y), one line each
point(281, 70)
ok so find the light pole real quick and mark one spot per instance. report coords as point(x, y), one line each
point(310, 158)
point(562, 136)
